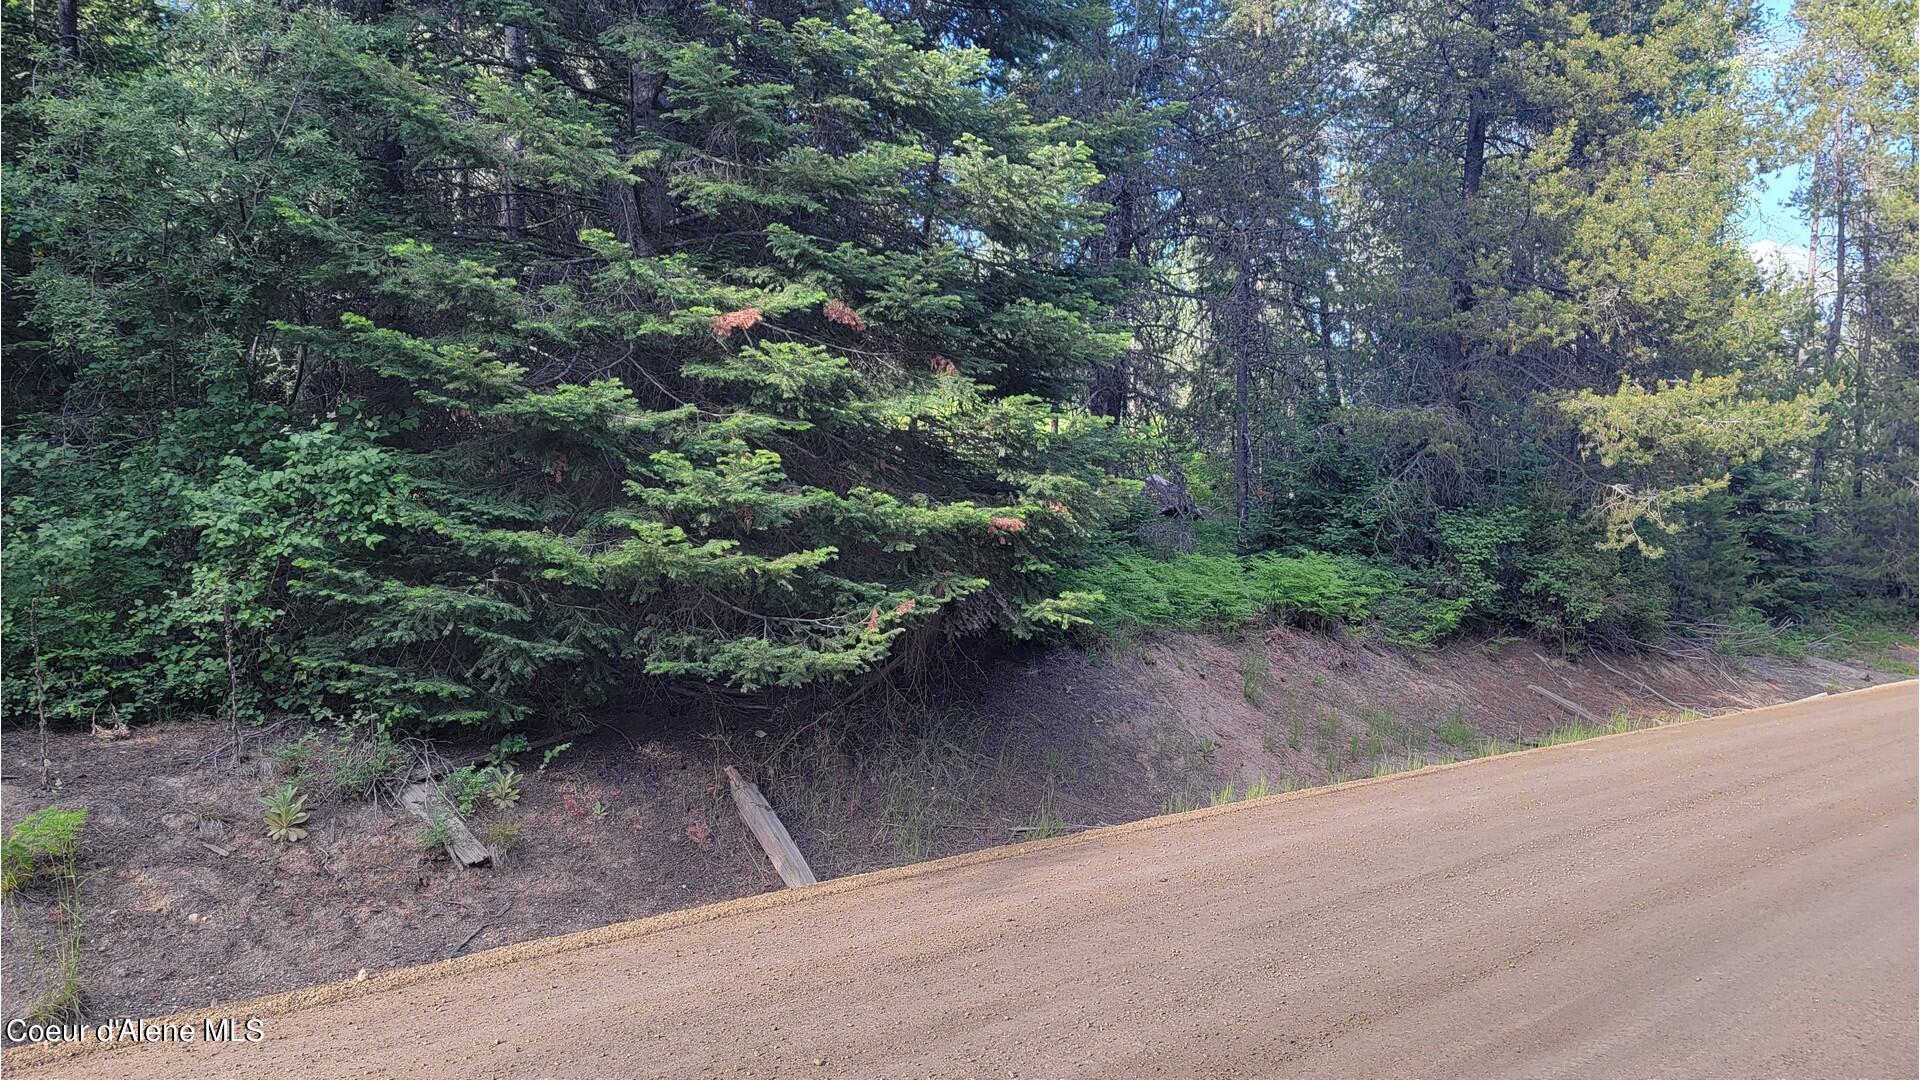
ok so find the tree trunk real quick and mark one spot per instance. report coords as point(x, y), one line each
point(68, 17)
point(1863, 356)
point(1822, 448)
point(513, 210)
point(1473, 169)
point(1244, 335)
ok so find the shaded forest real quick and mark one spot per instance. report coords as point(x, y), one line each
point(408, 363)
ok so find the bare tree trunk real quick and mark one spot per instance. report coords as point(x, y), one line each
point(39, 691)
point(1863, 357)
point(513, 211)
point(1244, 336)
point(1823, 447)
point(233, 678)
point(68, 17)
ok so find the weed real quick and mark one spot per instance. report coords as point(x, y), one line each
point(62, 999)
point(285, 814)
point(1230, 794)
point(1456, 732)
point(1204, 750)
point(45, 845)
point(1256, 672)
point(547, 758)
point(1178, 803)
point(1382, 721)
point(295, 757)
point(1327, 735)
point(358, 768)
point(503, 786)
point(464, 786)
point(1581, 730)
point(1297, 733)
point(911, 810)
point(41, 845)
point(1056, 763)
point(503, 836)
point(1046, 821)
point(436, 834)
point(508, 748)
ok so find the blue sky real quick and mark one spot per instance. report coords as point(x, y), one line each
point(1768, 217)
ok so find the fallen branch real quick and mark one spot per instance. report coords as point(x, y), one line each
point(1643, 685)
point(468, 940)
point(1565, 704)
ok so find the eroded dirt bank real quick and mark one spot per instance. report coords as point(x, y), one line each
point(1730, 897)
point(186, 902)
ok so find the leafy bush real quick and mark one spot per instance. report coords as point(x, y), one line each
point(41, 845)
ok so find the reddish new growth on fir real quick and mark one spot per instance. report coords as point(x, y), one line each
point(745, 319)
point(838, 311)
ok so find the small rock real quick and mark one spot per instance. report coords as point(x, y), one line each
point(194, 918)
point(360, 976)
point(819, 1061)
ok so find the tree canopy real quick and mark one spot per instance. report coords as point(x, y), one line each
point(412, 362)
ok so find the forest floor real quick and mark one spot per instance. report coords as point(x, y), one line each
point(185, 902)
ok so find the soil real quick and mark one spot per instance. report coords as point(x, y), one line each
point(1728, 897)
point(186, 902)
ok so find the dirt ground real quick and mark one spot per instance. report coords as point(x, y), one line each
point(1730, 897)
point(186, 902)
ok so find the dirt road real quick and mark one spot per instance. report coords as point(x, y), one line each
point(1730, 897)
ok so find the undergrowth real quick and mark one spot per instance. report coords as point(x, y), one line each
point(1199, 591)
point(45, 848)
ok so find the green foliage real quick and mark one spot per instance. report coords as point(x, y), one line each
point(285, 814)
point(40, 845)
point(441, 366)
point(1679, 443)
point(508, 748)
point(407, 390)
point(1456, 732)
point(1201, 591)
point(502, 836)
point(436, 834)
point(503, 786)
point(463, 788)
point(552, 754)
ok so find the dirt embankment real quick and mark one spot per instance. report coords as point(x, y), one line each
point(1730, 897)
point(185, 902)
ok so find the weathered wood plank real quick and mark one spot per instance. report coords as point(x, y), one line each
point(420, 800)
point(766, 828)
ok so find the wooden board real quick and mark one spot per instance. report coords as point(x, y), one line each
point(766, 827)
point(421, 799)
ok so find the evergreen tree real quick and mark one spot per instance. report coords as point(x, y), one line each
point(445, 362)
